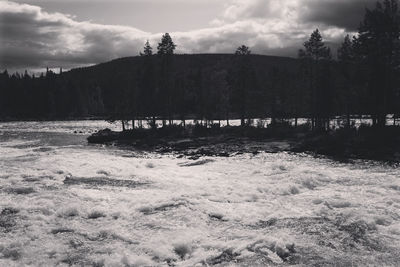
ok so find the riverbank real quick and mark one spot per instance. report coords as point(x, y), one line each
point(366, 142)
point(345, 143)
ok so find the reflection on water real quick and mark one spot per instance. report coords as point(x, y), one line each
point(65, 202)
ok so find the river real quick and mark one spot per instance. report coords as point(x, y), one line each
point(64, 202)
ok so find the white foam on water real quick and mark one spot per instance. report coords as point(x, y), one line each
point(183, 214)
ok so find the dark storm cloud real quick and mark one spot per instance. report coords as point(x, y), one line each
point(25, 30)
point(340, 13)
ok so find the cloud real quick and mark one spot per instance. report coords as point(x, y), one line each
point(32, 38)
point(261, 9)
point(263, 37)
point(345, 14)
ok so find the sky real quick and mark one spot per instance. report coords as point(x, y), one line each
point(35, 34)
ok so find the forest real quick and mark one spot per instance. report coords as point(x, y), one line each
point(361, 79)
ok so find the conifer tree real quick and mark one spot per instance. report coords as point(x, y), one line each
point(316, 56)
point(147, 49)
point(345, 52)
point(243, 50)
point(240, 82)
point(165, 49)
point(166, 46)
point(315, 48)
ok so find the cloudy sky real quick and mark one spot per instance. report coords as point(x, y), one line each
point(55, 33)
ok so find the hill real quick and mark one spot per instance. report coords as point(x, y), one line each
point(122, 86)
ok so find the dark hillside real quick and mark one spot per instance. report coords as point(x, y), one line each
point(120, 87)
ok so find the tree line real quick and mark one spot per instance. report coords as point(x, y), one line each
point(363, 79)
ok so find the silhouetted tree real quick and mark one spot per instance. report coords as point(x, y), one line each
point(147, 50)
point(166, 46)
point(345, 52)
point(315, 48)
point(146, 94)
point(316, 56)
point(240, 80)
point(165, 50)
point(243, 50)
point(378, 48)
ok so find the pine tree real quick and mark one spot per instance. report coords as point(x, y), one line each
point(345, 52)
point(316, 56)
point(315, 48)
point(166, 46)
point(240, 82)
point(146, 92)
point(166, 49)
point(243, 50)
point(147, 49)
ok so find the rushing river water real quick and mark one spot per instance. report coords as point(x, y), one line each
point(64, 202)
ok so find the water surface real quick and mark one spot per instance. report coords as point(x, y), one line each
point(64, 202)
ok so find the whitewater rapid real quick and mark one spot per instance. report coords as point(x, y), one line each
point(64, 202)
